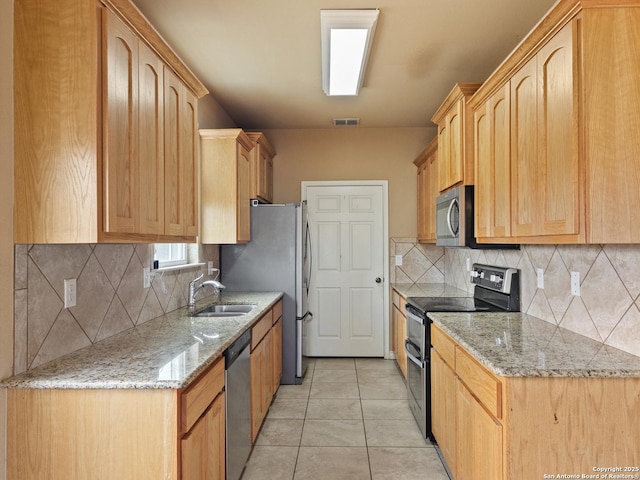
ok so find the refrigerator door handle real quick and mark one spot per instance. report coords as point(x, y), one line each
point(310, 253)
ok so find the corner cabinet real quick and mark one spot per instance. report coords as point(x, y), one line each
point(96, 144)
point(427, 192)
point(261, 168)
point(569, 142)
point(455, 137)
point(226, 183)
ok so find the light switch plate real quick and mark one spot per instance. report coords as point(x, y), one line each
point(575, 283)
point(398, 260)
point(69, 292)
point(146, 274)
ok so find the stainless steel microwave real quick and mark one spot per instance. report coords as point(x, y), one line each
point(454, 217)
point(455, 221)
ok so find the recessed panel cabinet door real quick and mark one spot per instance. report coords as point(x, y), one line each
point(120, 159)
point(558, 130)
point(188, 160)
point(151, 141)
point(524, 149)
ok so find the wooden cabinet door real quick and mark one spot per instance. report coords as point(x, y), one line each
point(400, 333)
point(423, 186)
point(120, 156)
point(180, 153)
point(189, 162)
point(443, 408)
point(430, 201)
point(484, 184)
point(524, 150)
point(456, 145)
point(493, 166)
point(173, 186)
point(276, 348)
point(558, 177)
point(443, 150)
point(203, 448)
point(243, 194)
point(151, 141)
point(478, 439)
point(264, 175)
point(259, 356)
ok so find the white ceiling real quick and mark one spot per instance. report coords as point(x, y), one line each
point(261, 58)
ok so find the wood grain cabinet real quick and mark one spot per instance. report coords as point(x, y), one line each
point(90, 146)
point(493, 167)
point(226, 156)
point(262, 168)
point(571, 179)
point(427, 192)
point(491, 426)
point(399, 331)
point(266, 365)
point(151, 433)
point(455, 137)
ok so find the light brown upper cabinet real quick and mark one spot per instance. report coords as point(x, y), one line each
point(573, 96)
point(90, 128)
point(262, 168)
point(427, 192)
point(455, 137)
point(492, 166)
point(226, 181)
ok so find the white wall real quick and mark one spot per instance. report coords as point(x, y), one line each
point(6, 214)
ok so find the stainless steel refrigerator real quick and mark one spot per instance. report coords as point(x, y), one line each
point(278, 258)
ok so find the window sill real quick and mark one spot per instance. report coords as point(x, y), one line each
point(186, 266)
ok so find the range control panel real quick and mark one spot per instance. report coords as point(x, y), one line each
point(500, 279)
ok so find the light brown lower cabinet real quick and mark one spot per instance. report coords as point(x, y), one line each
point(399, 331)
point(118, 434)
point(265, 364)
point(526, 427)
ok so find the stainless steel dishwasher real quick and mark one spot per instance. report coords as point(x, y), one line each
point(238, 405)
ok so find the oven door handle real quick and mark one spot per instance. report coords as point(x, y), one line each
point(410, 356)
point(414, 317)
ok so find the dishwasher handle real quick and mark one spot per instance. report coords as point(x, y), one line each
point(236, 348)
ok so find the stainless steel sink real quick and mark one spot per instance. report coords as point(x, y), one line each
point(224, 310)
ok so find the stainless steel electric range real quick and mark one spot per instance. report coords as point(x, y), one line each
point(496, 289)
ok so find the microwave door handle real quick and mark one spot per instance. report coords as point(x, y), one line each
point(454, 202)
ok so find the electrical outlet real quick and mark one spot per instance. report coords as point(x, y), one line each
point(540, 276)
point(398, 260)
point(210, 268)
point(69, 292)
point(146, 274)
point(468, 264)
point(575, 283)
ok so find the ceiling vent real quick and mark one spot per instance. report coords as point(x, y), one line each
point(346, 121)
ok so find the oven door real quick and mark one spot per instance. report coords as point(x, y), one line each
point(417, 370)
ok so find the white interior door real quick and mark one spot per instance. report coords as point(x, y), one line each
point(347, 274)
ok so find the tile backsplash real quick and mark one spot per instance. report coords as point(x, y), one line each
point(110, 294)
point(608, 309)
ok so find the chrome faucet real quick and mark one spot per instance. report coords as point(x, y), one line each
point(195, 289)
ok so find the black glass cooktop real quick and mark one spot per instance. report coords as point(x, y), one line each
point(450, 304)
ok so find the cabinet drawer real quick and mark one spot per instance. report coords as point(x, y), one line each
point(277, 311)
point(402, 303)
point(484, 386)
point(444, 345)
point(260, 328)
point(197, 397)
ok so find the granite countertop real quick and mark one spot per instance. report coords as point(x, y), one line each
point(520, 345)
point(167, 352)
point(428, 290)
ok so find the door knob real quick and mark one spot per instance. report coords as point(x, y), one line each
point(378, 280)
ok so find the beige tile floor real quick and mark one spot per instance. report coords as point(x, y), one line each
point(348, 420)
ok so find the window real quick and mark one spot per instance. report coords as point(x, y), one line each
point(170, 254)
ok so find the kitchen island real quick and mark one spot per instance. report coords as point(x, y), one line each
point(148, 403)
point(517, 397)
